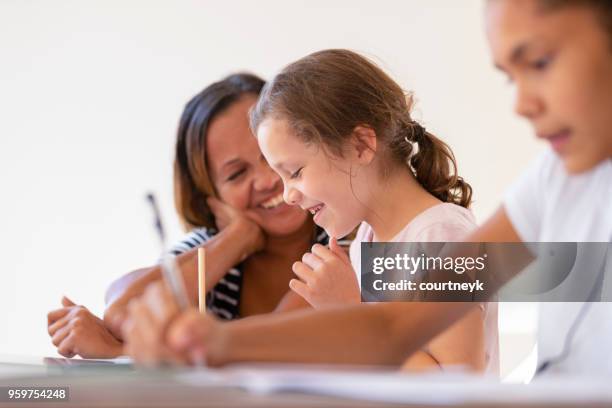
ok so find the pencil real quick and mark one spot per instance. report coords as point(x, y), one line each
point(202, 279)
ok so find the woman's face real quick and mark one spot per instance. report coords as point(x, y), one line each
point(326, 187)
point(242, 176)
point(560, 62)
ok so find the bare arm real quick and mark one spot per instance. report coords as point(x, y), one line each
point(377, 334)
point(225, 250)
point(382, 333)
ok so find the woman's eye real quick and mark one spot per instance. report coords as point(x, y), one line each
point(235, 175)
point(296, 174)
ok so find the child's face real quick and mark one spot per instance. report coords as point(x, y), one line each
point(311, 178)
point(560, 62)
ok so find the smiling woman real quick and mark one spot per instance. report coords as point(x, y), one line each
point(230, 201)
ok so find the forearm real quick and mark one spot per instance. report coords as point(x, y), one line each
point(224, 251)
point(380, 334)
point(118, 287)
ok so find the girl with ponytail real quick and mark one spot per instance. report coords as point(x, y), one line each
point(338, 131)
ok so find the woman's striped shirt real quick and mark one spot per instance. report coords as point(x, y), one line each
point(224, 298)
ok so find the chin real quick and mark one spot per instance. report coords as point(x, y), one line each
point(339, 232)
point(576, 164)
point(286, 226)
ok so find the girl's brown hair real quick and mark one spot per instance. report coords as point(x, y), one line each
point(326, 95)
point(192, 183)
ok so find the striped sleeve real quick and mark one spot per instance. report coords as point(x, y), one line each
point(193, 239)
point(224, 298)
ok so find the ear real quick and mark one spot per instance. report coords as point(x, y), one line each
point(363, 144)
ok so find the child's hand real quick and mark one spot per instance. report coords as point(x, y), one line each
point(144, 332)
point(74, 330)
point(197, 335)
point(326, 277)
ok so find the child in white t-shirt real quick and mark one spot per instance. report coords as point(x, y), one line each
point(548, 204)
point(559, 56)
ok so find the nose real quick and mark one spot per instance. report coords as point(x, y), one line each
point(526, 103)
point(291, 195)
point(265, 179)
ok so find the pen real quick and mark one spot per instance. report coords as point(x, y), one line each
point(170, 269)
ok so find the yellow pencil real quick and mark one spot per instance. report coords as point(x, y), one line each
point(202, 279)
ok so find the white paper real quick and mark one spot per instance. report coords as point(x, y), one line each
point(384, 386)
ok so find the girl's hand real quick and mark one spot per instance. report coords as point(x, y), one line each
point(250, 231)
point(144, 332)
point(326, 277)
point(74, 330)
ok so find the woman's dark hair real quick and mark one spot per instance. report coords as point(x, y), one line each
point(326, 95)
point(192, 183)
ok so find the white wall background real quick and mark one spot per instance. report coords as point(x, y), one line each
point(91, 92)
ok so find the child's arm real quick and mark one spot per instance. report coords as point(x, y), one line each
point(227, 248)
point(382, 333)
point(461, 345)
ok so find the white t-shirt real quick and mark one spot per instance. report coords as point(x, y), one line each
point(547, 204)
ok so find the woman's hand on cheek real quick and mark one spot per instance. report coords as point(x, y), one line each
point(326, 277)
point(144, 332)
point(250, 231)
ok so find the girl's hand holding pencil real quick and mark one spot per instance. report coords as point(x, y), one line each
point(145, 330)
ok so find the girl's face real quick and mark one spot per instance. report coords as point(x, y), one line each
point(560, 62)
point(312, 179)
point(242, 176)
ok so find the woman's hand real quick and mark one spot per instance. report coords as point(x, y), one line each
point(74, 330)
point(326, 277)
point(144, 332)
point(251, 232)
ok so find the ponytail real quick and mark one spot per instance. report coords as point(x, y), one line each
point(432, 162)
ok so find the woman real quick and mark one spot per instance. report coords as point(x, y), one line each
point(231, 200)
